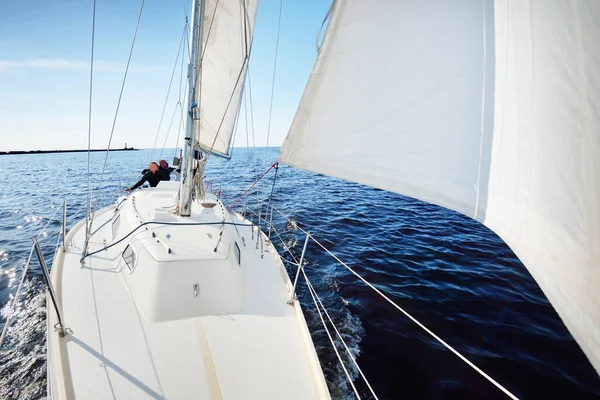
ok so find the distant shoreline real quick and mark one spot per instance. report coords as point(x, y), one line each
point(5, 153)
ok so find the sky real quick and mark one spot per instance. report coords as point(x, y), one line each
point(44, 70)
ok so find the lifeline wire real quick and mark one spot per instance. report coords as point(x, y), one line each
point(158, 223)
point(316, 298)
point(436, 337)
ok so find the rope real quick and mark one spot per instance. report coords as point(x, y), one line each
point(297, 263)
point(272, 188)
point(314, 294)
point(158, 223)
point(312, 289)
point(181, 123)
point(112, 131)
point(168, 91)
point(246, 118)
point(90, 105)
point(463, 358)
point(337, 353)
point(273, 82)
point(169, 130)
point(436, 337)
point(247, 190)
point(237, 82)
point(251, 111)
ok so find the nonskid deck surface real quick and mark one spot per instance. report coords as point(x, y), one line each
point(265, 351)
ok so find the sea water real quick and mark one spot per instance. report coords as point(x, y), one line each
point(450, 272)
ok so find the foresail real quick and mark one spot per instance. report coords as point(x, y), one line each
point(490, 108)
point(226, 42)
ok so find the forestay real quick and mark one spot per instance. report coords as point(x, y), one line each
point(226, 41)
point(490, 108)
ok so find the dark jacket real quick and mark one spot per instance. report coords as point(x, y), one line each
point(151, 178)
point(165, 172)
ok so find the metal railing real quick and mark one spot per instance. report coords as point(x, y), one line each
point(35, 248)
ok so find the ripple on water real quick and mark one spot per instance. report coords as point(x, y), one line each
point(450, 272)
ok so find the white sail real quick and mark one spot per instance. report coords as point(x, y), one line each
point(226, 40)
point(490, 108)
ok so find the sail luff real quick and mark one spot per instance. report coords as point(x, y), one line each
point(489, 108)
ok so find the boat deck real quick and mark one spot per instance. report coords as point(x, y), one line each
point(113, 352)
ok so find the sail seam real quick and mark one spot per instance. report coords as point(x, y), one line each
point(483, 109)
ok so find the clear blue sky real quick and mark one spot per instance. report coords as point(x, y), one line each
point(44, 70)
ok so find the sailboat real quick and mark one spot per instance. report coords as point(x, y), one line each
point(166, 293)
point(488, 108)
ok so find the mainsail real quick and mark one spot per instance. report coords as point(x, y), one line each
point(490, 108)
point(228, 28)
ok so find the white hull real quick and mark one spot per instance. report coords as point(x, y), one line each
point(145, 333)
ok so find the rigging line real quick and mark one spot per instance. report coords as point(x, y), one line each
point(246, 118)
point(198, 71)
point(463, 358)
point(329, 335)
point(158, 223)
point(212, 19)
point(169, 130)
point(90, 107)
point(237, 82)
point(273, 187)
point(185, 9)
point(436, 337)
point(245, 50)
point(256, 161)
point(311, 288)
point(112, 131)
point(181, 123)
point(273, 82)
point(168, 91)
point(247, 190)
point(251, 108)
point(243, 71)
point(182, 58)
point(179, 129)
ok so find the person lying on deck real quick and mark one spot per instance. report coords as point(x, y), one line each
point(152, 177)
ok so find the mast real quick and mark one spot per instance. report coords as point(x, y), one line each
point(194, 70)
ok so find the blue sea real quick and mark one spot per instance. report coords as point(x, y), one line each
point(450, 272)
